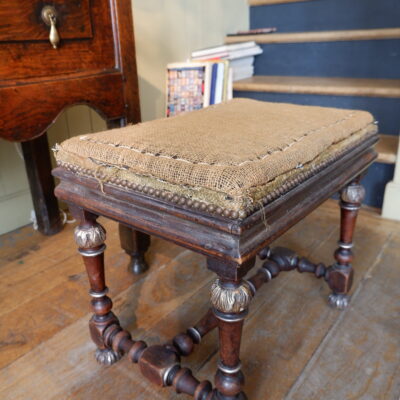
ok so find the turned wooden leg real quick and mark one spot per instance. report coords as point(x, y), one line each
point(230, 301)
point(90, 237)
point(135, 244)
point(340, 275)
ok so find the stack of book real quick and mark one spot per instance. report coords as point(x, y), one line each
point(240, 56)
point(207, 78)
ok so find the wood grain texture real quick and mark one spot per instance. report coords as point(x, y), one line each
point(322, 352)
point(28, 272)
point(321, 36)
point(38, 82)
point(85, 90)
point(323, 86)
point(366, 357)
point(127, 59)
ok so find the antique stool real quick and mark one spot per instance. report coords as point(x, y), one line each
point(224, 181)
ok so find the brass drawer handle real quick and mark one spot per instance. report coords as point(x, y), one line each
point(49, 17)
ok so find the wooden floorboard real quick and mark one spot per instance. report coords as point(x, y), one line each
point(295, 347)
point(362, 350)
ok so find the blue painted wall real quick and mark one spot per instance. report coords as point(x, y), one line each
point(352, 59)
point(325, 15)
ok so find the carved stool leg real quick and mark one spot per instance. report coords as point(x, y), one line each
point(135, 244)
point(230, 300)
point(340, 275)
point(90, 237)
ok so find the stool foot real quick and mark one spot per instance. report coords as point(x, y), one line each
point(107, 356)
point(138, 265)
point(135, 244)
point(340, 301)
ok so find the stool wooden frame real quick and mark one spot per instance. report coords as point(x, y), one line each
point(231, 247)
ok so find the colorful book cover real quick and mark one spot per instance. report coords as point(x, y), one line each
point(188, 87)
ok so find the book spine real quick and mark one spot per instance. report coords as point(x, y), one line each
point(220, 83)
point(214, 78)
point(226, 80)
point(207, 85)
point(245, 53)
point(230, 85)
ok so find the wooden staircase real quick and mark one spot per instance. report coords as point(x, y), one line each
point(269, 2)
point(326, 86)
point(342, 66)
point(320, 36)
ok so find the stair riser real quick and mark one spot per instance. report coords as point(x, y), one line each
point(377, 177)
point(352, 59)
point(325, 15)
point(385, 110)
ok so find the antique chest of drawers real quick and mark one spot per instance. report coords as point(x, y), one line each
point(54, 55)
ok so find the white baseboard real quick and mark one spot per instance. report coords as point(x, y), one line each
point(15, 211)
point(391, 202)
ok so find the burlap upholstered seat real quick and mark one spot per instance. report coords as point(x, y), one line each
point(227, 158)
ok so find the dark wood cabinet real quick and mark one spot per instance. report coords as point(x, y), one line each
point(93, 63)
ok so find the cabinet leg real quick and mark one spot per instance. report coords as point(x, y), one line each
point(135, 244)
point(230, 300)
point(38, 169)
point(90, 237)
point(340, 277)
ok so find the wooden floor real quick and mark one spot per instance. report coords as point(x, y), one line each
point(295, 347)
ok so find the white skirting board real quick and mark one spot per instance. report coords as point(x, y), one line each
point(391, 201)
point(15, 211)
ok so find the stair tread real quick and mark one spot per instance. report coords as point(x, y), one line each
point(319, 36)
point(268, 2)
point(318, 85)
point(387, 148)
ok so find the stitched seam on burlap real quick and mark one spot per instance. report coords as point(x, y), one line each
point(312, 131)
point(248, 195)
point(196, 188)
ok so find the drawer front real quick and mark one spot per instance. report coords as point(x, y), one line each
point(86, 43)
point(95, 66)
point(21, 20)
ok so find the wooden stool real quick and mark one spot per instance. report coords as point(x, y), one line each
point(225, 181)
